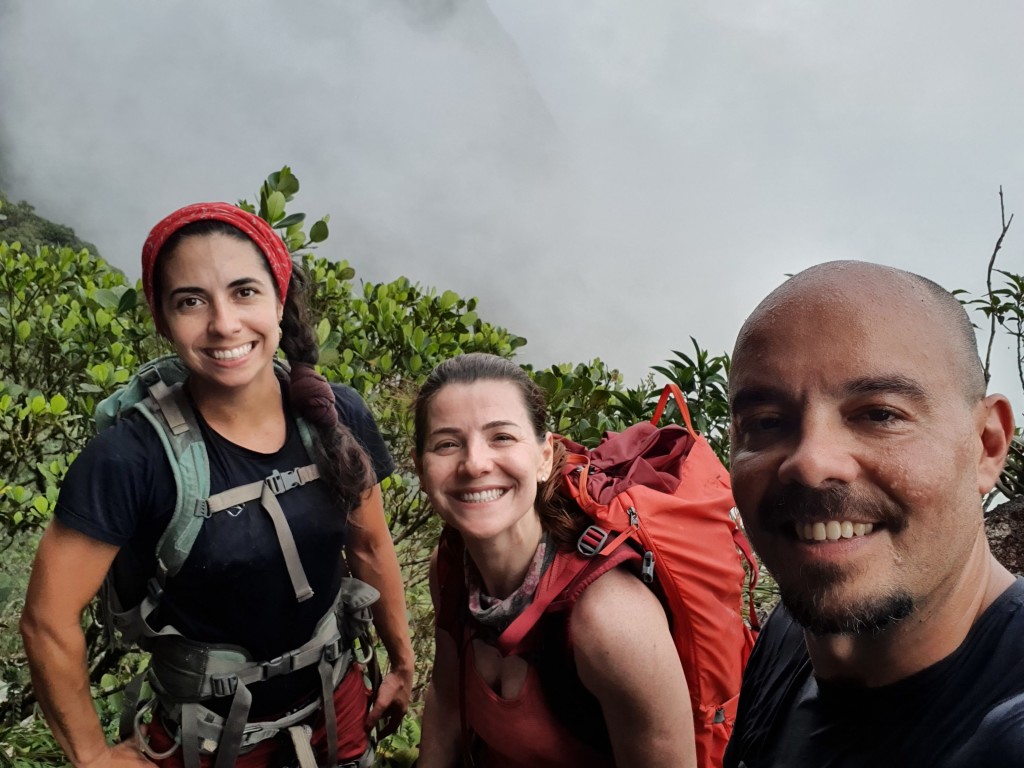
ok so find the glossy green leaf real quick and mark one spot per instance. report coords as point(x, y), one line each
point(318, 232)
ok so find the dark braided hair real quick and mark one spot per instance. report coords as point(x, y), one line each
point(558, 516)
point(343, 462)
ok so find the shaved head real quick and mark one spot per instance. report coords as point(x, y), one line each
point(879, 290)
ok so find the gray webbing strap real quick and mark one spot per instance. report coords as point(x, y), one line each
point(268, 500)
point(279, 482)
point(190, 735)
point(303, 749)
point(231, 740)
point(267, 491)
point(161, 394)
point(325, 668)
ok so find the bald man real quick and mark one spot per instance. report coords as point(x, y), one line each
point(862, 443)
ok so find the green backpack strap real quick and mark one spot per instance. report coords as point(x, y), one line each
point(171, 415)
point(156, 391)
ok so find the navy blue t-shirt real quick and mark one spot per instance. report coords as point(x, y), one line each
point(965, 711)
point(234, 587)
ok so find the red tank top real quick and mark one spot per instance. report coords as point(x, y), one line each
point(522, 732)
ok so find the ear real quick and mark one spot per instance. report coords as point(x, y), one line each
point(547, 458)
point(995, 423)
point(417, 463)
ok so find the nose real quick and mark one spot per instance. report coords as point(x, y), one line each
point(477, 459)
point(224, 319)
point(820, 455)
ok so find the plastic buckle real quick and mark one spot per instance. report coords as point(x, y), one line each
point(153, 589)
point(647, 568)
point(592, 541)
point(277, 666)
point(224, 685)
point(279, 482)
point(149, 376)
point(202, 508)
point(333, 650)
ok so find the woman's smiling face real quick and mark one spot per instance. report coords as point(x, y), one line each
point(221, 311)
point(481, 460)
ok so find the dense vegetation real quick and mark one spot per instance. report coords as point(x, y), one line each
point(72, 329)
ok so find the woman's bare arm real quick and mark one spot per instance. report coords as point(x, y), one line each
point(68, 571)
point(625, 656)
point(441, 741)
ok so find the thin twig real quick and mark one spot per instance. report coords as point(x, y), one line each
point(988, 280)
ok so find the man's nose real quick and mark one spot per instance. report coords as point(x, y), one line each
point(820, 454)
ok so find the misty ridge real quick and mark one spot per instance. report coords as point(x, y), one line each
point(608, 178)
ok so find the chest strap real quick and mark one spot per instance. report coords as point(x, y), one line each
point(267, 491)
point(175, 408)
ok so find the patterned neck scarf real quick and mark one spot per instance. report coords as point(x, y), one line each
point(495, 615)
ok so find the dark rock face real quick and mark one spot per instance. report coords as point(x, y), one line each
point(1005, 528)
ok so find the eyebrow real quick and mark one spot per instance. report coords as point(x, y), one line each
point(240, 282)
point(863, 386)
point(895, 385)
point(498, 424)
point(751, 396)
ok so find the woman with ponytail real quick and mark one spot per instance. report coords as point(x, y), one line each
point(596, 683)
point(263, 597)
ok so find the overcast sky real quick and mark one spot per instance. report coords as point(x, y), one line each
point(609, 177)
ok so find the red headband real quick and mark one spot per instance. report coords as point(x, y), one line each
point(261, 233)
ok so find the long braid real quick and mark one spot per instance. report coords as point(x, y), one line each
point(344, 464)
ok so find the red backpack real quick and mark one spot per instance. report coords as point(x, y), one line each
point(660, 499)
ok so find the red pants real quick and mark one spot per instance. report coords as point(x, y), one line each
point(351, 702)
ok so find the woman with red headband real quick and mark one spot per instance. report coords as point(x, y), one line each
point(253, 633)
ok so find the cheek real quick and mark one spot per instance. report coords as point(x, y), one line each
point(749, 478)
point(434, 472)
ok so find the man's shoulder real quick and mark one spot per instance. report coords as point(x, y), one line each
point(781, 639)
point(999, 740)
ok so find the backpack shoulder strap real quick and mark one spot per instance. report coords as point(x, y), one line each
point(451, 583)
point(168, 410)
point(561, 586)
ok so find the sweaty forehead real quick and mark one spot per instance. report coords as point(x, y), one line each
point(847, 315)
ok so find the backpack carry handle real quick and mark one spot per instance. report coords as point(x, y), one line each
point(673, 389)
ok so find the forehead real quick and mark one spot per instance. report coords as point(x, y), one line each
point(213, 256)
point(827, 333)
point(478, 402)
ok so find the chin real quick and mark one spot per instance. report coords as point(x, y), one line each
point(828, 612)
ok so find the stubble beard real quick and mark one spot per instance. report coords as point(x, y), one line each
point(815, 595)
point(817, 603)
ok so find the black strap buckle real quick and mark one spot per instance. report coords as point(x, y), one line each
point(333, 650)
point(224, 685)
point(280, 665)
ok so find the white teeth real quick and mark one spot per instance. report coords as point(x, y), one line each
point(478, 497)
point(833, 530)
point(231, 354)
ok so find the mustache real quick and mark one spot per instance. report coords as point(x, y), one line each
point(799, 503)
